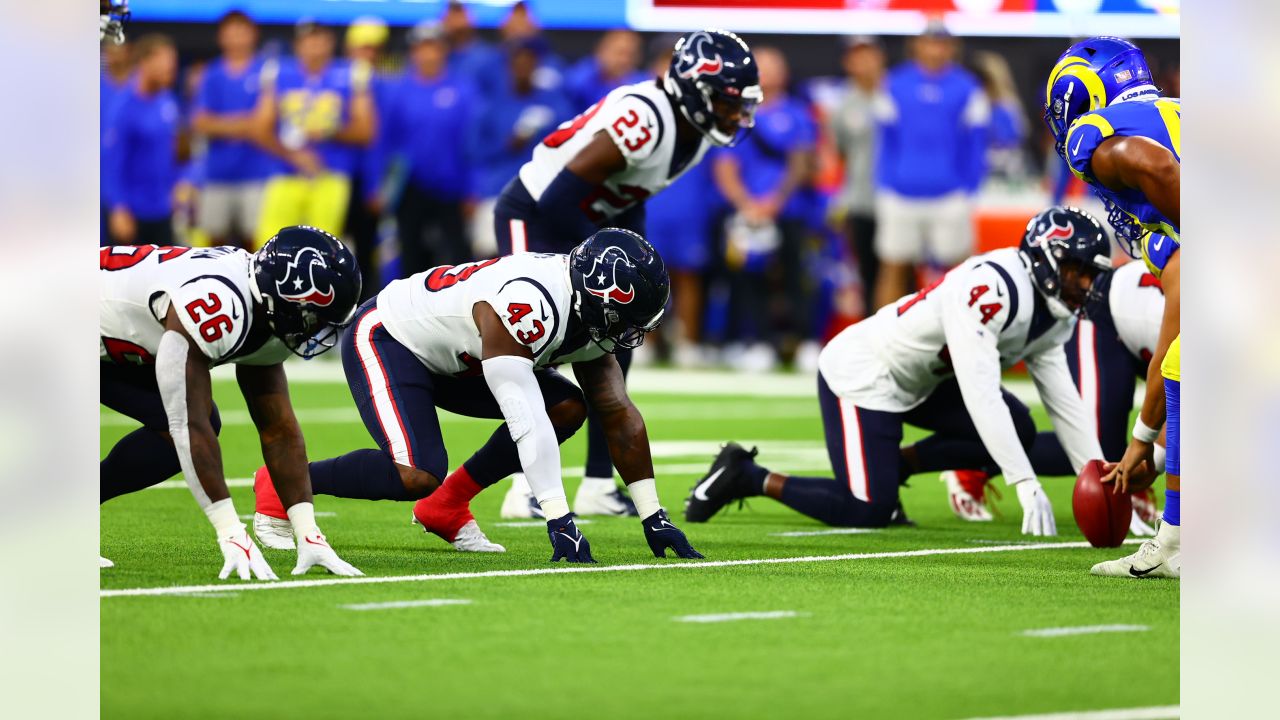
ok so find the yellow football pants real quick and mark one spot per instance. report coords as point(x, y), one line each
point(319, 201)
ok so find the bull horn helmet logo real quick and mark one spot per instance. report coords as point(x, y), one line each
point(299, 284)
point(696, 58)
point(602, 280)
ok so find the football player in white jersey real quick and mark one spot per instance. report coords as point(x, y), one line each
point(599, 168)
point(1109, 350)
point(169, 314)
point(934, 360)
point(481, 340)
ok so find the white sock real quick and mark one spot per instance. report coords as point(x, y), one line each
point(1170, 536)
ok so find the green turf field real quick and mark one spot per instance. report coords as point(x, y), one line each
point(923, 635)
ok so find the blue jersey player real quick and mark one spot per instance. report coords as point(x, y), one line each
point(1122, 138)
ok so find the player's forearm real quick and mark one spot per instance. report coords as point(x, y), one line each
point(285, 453)
point(206, 458)
point(1152, 413)
point(628, 441)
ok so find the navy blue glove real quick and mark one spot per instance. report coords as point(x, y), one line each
point(661, 535)
point(567, 543)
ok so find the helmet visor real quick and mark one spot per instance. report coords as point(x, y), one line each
point(735, 115)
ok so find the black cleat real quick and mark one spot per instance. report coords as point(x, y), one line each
point(900, 518)
point(726, 481)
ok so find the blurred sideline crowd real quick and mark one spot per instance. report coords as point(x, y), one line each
point(851, 191)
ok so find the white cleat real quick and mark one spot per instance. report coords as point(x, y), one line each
point(472, 539)
point(519, 502)
point(275, 533)
point(104, 563)
point(963, 502)
point(1161, 556)
point(601, 496)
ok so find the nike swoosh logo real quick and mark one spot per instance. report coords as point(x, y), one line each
point(1143, 573)
point(657, 527)
point(322, 543)
point(577, 544)
point(1076, 150)
point(700, 492)
point(1159, 243)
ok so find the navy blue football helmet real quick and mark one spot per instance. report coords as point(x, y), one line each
point(308, 284)
point(1091, 75)
point(1060, 236)
point(714, 81)
point(620, 288)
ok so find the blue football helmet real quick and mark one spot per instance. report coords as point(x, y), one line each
point(1089, 76)
point(1064, 235)
point(620, 288)
point(112, 15)
point(714, 81)
point(308, 284)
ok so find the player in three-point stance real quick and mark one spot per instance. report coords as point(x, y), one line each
point(1109, 351)
point(1122, 138)
point(169, 314)
point(934, 360)
point(481, 340)
point(597, 170)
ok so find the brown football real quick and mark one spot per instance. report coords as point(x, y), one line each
point(1103, 516)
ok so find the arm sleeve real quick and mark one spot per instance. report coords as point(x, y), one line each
point(514, 386)
point(1075, 427)
point(972, 322)
point(171, 377)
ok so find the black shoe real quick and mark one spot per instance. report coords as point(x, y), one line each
point(899, 517)
point(727, 480)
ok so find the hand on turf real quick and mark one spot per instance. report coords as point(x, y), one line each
point(1139, 527)
point(314, 550)
point(1130, 474)
point(1037, 511)
point(662, 535)
point(567, 542)
point(239, 553)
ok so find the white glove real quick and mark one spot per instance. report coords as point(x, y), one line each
point(239, 553)
point(1139, 527)
point(1037, 511)
point(314, 550)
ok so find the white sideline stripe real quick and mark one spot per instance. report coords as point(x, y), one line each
point(1082, 630)
point(397, 604)
point(833, 531)
point(730, 617)
point(1167, 712)
point(289, 584)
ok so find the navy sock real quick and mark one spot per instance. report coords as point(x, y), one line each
point(1173, 507)
point(361, 474)
point(831, 502)
point(757, 477)
point(499, 457)
point(139, 460)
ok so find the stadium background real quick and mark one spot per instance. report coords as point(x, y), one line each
point(1027, 34)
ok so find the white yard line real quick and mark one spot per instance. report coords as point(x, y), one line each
point(1082, 630)
point(398, 604)
point(1167, 712)
point(730, 617)
point(832, 531)
point(567, 569)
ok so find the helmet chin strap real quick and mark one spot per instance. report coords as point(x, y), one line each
point(1057, 308)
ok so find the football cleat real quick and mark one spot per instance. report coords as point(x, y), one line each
point(104, 563)
point(519, 501)
point(899, 517)
point(1160, 556)
point(454, 525)
point(726, 481)
point(273, 532)
point(567, 542)
point(602, 498)
point(968, 492)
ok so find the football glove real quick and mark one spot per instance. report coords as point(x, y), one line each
point(239, 553)
point(567, 542)
point(1037, 511)
point(314, 550)
point(662, 535)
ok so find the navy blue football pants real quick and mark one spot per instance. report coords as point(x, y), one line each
point(864, 447)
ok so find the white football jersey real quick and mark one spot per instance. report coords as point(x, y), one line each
point(979, 319)
point(1136, 301)
point(208, 287)
point(642, 123)
point(430, 313)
